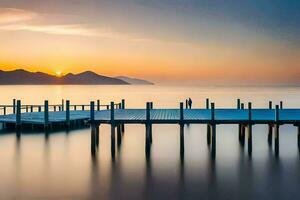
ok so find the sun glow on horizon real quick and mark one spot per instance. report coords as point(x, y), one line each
point(58, 74)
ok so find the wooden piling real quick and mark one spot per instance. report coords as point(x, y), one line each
point(93, 138)
point(46, 115)
point(40, 109)
point(112, 123)
point(270, 128)
point(68, 113)
point(238, 106)
point(14, 106)
point(148, 142)
point(298, 128)
point(238, 102)
point(123, 107)
point(208, 127)
point(276, 134)
point(181, 130)
point(213, 132)
point(119, 135)
point(98, 105)
point(18, 115)
point(281, 105)
point(62, 105)
point(250, 129)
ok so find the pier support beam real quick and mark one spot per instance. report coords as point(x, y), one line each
point(18, 115)
point(68, 113)
point(93, 138)
point(270, 128)
point(208, 127)
point(181, 124)
point(119, 135)
point(298, 129)
point(213, 132)
point(46, 115)
point(250, 129)
point(148, 130)
point(276, 133)
point(123, 107)
point(14, 106)
point(113, 129)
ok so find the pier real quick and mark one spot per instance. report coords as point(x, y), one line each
point(66, 116)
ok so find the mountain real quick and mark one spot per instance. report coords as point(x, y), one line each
point(134, 81)
point(23, 77)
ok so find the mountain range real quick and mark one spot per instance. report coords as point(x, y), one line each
point(23, 77)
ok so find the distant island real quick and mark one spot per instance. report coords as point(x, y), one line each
point(23, 77)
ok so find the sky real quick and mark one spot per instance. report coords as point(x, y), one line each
point(165, 41)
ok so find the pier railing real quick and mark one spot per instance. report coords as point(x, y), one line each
point(26, 108)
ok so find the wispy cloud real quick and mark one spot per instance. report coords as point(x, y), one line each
point(12, 19)
point(13, 15)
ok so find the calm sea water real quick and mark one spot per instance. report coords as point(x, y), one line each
point(61, 166)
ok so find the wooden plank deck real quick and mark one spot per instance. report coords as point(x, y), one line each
point(160, 116)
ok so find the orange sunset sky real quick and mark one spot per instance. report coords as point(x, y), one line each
point(236, 42)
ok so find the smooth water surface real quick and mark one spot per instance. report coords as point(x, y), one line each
point(60, 165)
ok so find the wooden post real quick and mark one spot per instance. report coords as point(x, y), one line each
point(119, 135)
point(213, 132)
point(62, 105)
point(250, 129)
point(186, 104)
point(181, 130)
point(98, 105)
point(18, 115)
point(26, 108)
point(243, 131)
point(93, 138)
point(123, 107)
point(68, 113)
point(239, 126)
point(40, 109)
point(82, 107)
point(4, 110)
point(270, 127)
point(276, 134)
point(147, 146)
point(208, 125)
point(298, 138)
point(238, 102)
point(112, 122)
point(123, 103)
point(93, 127)
point(46, 114)
point(75, 107)
point(14, 106)
point(281, 105)
point(92, 111)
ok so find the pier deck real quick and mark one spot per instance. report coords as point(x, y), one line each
point(168, 116)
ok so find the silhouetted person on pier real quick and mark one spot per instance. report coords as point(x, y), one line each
point(190, 102)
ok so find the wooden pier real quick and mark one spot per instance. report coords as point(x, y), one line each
point(94, 114)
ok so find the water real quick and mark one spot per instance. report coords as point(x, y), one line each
point(60, 166)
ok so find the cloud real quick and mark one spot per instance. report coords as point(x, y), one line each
point(13, 15)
